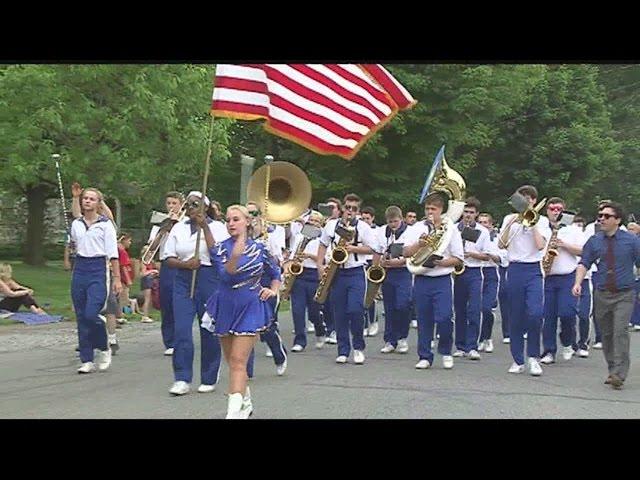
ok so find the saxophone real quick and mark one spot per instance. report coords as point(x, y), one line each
point(431, 244)
point(552, 251)
point(339, 255)
point(294, 268)
point(375, 276)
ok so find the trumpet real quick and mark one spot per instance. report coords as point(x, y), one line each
point(528, 218)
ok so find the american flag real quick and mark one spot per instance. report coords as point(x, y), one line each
point(332, 109)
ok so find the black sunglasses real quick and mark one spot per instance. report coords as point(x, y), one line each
point(606, 215)
point(194, 204)
point(353, 208)
point(254, 213)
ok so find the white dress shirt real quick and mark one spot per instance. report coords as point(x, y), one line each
point(311, 248)
point(181, 243)
point(454, 249)
point(482, 245)
point(522, 248)
point(365, 236)
point(95, 240)
point(565, 262)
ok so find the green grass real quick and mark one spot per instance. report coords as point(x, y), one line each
point(52, 287)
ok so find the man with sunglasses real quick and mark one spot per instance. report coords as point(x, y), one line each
point(525, 284)
point(347, 290)
point(370, 322)
point(467, 287)
point(558, 300)
point(326, 309)
point(616, 252)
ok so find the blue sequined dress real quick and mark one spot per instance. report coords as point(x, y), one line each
point(235, 308)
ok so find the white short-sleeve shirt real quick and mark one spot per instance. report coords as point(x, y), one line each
point(181, 242)
point(566, 262)
point(522, 248)
point(454, 249)
point(365, 236)
point(482, 245)
point(95, 240)
point(311, 248)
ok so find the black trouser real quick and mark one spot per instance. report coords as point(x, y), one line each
point(13, 303)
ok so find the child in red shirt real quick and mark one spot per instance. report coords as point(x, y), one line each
point(126, 273)
point(148, 274)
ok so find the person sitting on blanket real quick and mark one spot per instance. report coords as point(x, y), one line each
point(13, 295)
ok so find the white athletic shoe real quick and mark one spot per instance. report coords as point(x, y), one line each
point(103, 360)
point(206, 388)
point(423, 364)
point(268, 353)
point(433, 344)
point(320, 341)
point(488, 346)
point(506, 340)
point(548, 359)
point(365, 332)
point(310, 327)
point(597, 346)
point(87, 367)
point(515, 368)
point(534, 367)
point(567, 353)
point(234, 407)
point(146, 320)
point(525, 336)
point(481, 346)
point(280, 369)
point(358, 357)
point(447, 362)
point(179, 388)
point(373, 329)
point(341, 359)
point(388, 348)
point(414, 324)
point(121, 321)
point(332, 339)
point(473, 355)
point(583, 353)
point(459, 353)
point(636, 328)
point(168, 352)
point(297, 348)
point(403, 346)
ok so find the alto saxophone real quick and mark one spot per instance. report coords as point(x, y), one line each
point(294, 268)
point(339, 255)
point(552, 251)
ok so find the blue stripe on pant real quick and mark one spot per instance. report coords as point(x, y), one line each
point(184, 311)
point(89, 294)
point(559, 302)
point(524, 288)
point(468, 303)
point(302, 301)
point(433, 299)
point(504, 303)
point(167, 276)
point(396, 296)
point(347, 296)
point(584, 315)
point(489, 301)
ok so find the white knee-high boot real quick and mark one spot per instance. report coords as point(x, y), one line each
point(234, 406)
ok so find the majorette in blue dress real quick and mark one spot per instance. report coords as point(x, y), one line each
point(236, 308)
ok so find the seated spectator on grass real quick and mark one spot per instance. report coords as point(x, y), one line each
point(13, 295)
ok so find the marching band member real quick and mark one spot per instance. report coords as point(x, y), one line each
point(525, 283)
point(275, 243)
point(173, 202)
point(349, 284)
point(326, 309)
point(304, 289)
point(371, 327)
point(239, 309)
point(558, 300)
point(433, 290)
point(179, 254)
point(95, 239)
point(467, 287)
point(634, 323)
point(396, 288)
point(584, 304)
point(490, 283)
point(617, 251)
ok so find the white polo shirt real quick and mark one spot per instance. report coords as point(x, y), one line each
point(95, 240)
point(482, 245)
point(386, 237)
point(522, 248)
point(454, 249)
point(566, 262)
point(181, 241)
point(365, 236)
point(375, 229)
point(494, 250)
point(311, 248)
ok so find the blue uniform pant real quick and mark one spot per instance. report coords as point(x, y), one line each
point(525, 292)
point(433, 299)
point(185, 310)
point(271, 336)
point(635, 316)
point(167, 326)
point(396, 296)
point(584, 316)
point(489, 301)
point(326, 314)
point(89, 294)
point(504, 302)
point(559, 302)
point(467, 295)
point(347, 297)
point(302, 301)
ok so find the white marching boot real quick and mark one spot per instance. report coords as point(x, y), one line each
point(234, 407)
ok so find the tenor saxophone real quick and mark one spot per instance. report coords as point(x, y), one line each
point(339, 255)
point(551, 253)
point(375, 276)
point(294, 269)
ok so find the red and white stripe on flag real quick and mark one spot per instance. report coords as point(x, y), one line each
point(332, 109)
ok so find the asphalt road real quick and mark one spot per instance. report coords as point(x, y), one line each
point(38, 379)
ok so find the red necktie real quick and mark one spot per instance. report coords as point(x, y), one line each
point(610, 283)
